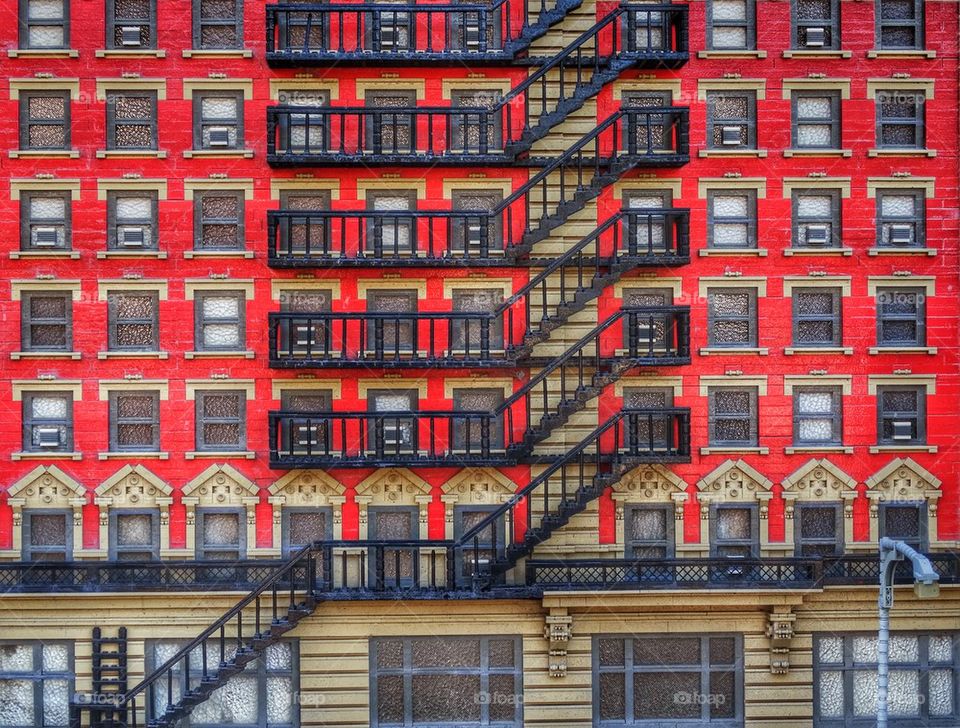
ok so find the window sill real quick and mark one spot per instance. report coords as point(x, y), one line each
point(133, 355)
point(17, 355)
point(43, 53)
point(133, 455)
point(902, 350)
point(902, 153)
point(903, 53)
point(218, 53)
point(241, 454)
point(158, 254)
point(724, 450)
point(129, 53)
point(44, 153)
point(846, 153)
point(800, 53)
point(841, 449)
point(46, 456)
point(218, 354)
point(214, 153)
point(845, 252)
point(875, 449)
point(873, 252)
point(739, 53)
point(48, 254)
point(727, 350)
point(758, 153)
point(793, 350)
point(120, 153)
point(218, 254)
point(758, 252)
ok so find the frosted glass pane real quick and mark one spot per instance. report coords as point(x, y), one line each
point(649, 524)
point(814, 205)
point(48, 208)
point(865, 649)
point(279, 700)
point(897, 205)
point(904, 648)
point(134, 208)
point(814, 402)
point(864, 693)
point(904, 692)
point(729, 37)
point(221, 529)
point(16, 702)
point(941, 648)
point(45, 9)
point(16, 658)
point(730, 206)
point(56, 697)
point(46, 36)
point(49, 407)
point(940, 692)
point(226, 307)
point(55, 658)
point(391, 203)
point(734, 523)
point(218, 108)
point(809, 135)
point(391, 403)
point(278, 657)
point(816, 430)
point(135, 530)
point(221, 335)
point(831, 694)
point(735, 235)
point(815, 107)
point(235, 702)
point(729, 10)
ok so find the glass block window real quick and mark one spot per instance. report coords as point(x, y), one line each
point(816, 218)
point(477, 434)
point(46, 321)
point(47, 535)
point(134, 534)
point(900, 119)
point(816, 24)
point(44, 24)
point(901, 415)
point(45, 221)
point(905, 521)
point(648, 532)
point(734, 530)
point(899, 24)
point(264, 695)
point(480, 551)
point(218, 120)
point(817, 317)
point(922, 685)
point(221, 534)
point(733, 416)
point(480, 132)
point(393, 331)
point(221, 420)
point(388, 129)
point(131, 24)
point(391, 232)
point(477, 335)
point(48, 422)
point(818, 529)
point(816, 118)
point(45, 120)
point(36, 682)
point(901, 317)
point(731, 119)
point(732, 219)
point(817, 416)
point(660, 680)
point(732, 317)
point(731, 25)
point(217, 24)
point(132, 119)
point(429, 681)
point(901, 219)
point(135, 421)
point(132, 221)
point(220, 321)
point(218, 220)
point(134, 321)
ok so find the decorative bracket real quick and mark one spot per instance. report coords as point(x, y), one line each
point(780, 632)
point(558, 630)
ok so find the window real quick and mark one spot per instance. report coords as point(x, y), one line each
point(388, 31)
point(732, 119)
point(400, 567)
point(905, 522)
point(901, 415)
point(650, 430)
point(134, 535)
point(36, 681)
point(733, 416)
point(44, 24)
point(428, 681)
point(659, 680)
point(731, 25)
point(732, 317)
point(45, 221)
point(817, 416)
point(218, 221)
point(134, 321)
point(817, 317)
point(901, 219)
point(922, 680)
point(900, 119)
point(218, 120)
point(816, 218)
point(131, 24)
point(394, 330)
point(477, 434)
point(477, 234)
point(47, 535)
point(393, 427)
point(221, 420)
point(388, 130)
point(132, 221)
point(48, 422)
point(816, 119)
point(818, 529)
point(479, 132)
point(648, 532)
point(306, 335)
point(734, 529)
point(221, 535)
point(391, 232)
point(732, 219)
point(900, 24)
point(901, 317)
point(307, 232)
point(309, 434)
point(217, 24)
point(816, 24)
point(134, 421)
point(45, 120)
point(220, 321)
point(646, 131)
point(477, 336)
point(645, 228)
point(46, 322)
point(132, 120)
point(299, 132)
point(478, 554)
point(303, 526)
point(264, 694)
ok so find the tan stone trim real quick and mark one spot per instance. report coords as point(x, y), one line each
point(38, 285)
point(130, 153)
point(139, 455)
point(44, 154)
point(332, 85)
point(105, 85)
point(846, 153)
point(105, 386)
point(450, 285)
point(478, 382)
point(674, 284)
point(794, 350)
point(133, 355)
point(706, 184)
point(706, 283)
point(792, 282)
point(874, 252)
point(926, 85)
point(18, 355)
point(367, 184)
point(734, 450)
point(364, 285)
point(194, 385)
point(220, 354)
point(741, 53)
point(844, 381)
point(731, 84)
point(126, 285)
point(191, 85)
point(927, 283)
point(333, 385)
point(799, 450)
point(303, 184)
point(365, 385)
point(675, 383)
point(218, 153)
point(757, 153)
point(730, 380)
point(449, 85)
point(193, 185)
point(816, 183)
point(927, 184)
point(30, 184)
point(720, 252)
point(902, 350)
point(805, 54)
point(816, 84)
point(476, 183)
point(19, 85)
point(220, 454)
point(129, 185)
point(106, 254)
point(902, 152)
point(911, 54)
point(129, 53)
point(43, 53)
point(733, 350)
point(202, 53)
point(674, 184)
point(363, 85)
point(897, 380)
point(192, 285)
point(876, 449)
point(654, 84)
point(74, 386)
point(249, 254)
point(279, 285)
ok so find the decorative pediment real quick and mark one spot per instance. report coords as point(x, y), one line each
point(649, 483)
point(305, 488)
point(904, 479)
point(47, 486)
point(734, 480)
point(486, 486)
point(393, 486)
point(819, 480)
point(134, 486)
point(221, 485)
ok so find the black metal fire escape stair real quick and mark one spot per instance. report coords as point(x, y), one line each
point(546, 19)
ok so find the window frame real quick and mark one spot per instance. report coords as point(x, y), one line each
point(920, 415)
point(668, 543)
point(917, 122)
point(749, 24)
point(236, 122)
point(201, 547)
point(27, 221)
point(835, 415)
point(29, 423)
point(113, 321)
point(113, 123)
point(112, 23)
point(288, 549)
point(834, 221)
point(465, 118)
point(919, 317)
point(835, 319)
point(26, 121)
point(460, 428)
point(116, 549)
point(749, 122)
point(753, 415)
point(465, 561)
point(392, 119)
point(750, 221)
point(199, 23)
point(28, 550)
point(114, 221)
point(201, 320)
point(26, 320)
point(752, 543)
point(833, 25)
point(376, 434)
point(116, 421)
point(200, 420)
point(917, 25)
point(37, 675)
point(922, 541)
point(25, 23)
point(752, 318)
point(918, 220)
point(834, 121)
point(799, 541)
point(199, 220)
